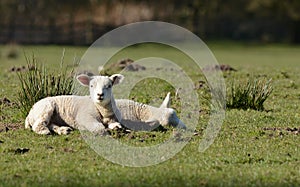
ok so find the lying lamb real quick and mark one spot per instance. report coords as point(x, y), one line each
point(138, 116)
point(62, 113)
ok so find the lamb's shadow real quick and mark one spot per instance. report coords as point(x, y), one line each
point(136, 125)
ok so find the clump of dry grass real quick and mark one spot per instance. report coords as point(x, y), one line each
point(40, 82)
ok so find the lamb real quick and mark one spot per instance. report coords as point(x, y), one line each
point(138, 116)
point(62, 114)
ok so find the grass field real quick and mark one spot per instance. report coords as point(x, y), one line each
point(253, 148)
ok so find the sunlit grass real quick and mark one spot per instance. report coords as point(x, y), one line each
point(243, 154)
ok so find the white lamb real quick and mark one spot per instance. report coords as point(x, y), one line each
point(61, 114)
point(138, 116)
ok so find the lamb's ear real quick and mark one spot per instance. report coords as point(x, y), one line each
point(116, 78)
point(83, 79)
point(166, 102)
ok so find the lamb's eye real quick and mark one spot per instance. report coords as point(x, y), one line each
point(92, 86)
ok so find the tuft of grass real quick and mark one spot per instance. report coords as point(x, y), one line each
point(249, 95)
point(39, 82)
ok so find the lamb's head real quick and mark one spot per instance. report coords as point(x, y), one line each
point(168, 116)
point(100, 86)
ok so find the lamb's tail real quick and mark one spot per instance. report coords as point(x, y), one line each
point(166, 102)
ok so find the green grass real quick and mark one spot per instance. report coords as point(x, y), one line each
point(247, 152)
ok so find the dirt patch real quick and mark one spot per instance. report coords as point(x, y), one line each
point(282, 131)
point(6, 102)
point(222, 67)
point(21, 150)
point(22, 68)
point(126, 64)
point(10, 126)
point(200, 84)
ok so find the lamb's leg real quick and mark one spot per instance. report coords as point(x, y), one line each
point(89, 123)
point(40, 127)
point(115, 125)
point(40, 116)
point(27, 123)
point(152, 123)
point(61, 130)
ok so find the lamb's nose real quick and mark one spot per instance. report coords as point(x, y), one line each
point(100, 96)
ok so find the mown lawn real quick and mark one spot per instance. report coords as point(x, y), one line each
point(253, 148)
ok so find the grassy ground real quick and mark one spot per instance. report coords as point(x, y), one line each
point(253, 148)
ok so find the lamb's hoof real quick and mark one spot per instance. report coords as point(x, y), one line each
point(64, 130)
point(115, 125)
point(44, 132)
point(27, 126)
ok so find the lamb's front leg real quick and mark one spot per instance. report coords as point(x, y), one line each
point(115, 125)
point(40, 126)
point(40, 116)
point(91, 124)
point(61, 130)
